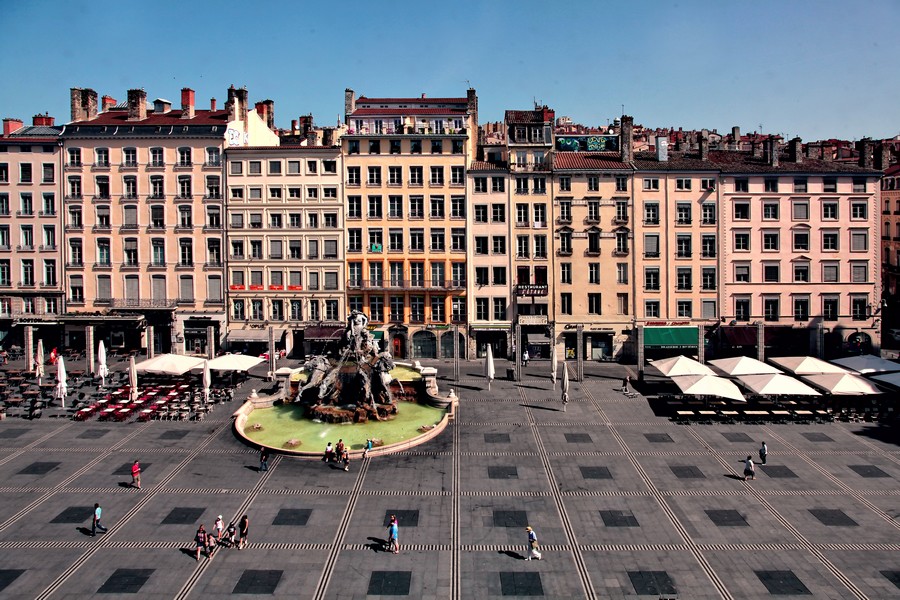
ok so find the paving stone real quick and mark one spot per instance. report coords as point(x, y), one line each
point(7, 576)
point(618, 518)
point(815, 436)
point(496, 438)
point(658, 438)
point(258, 581)
point(782, 583)
point(173, 434)
point(833, 517)
point(500, 472)
point(389, 583)
point(726, 518)
point(11, 434)
point(183, 515)
point(39, 468)
point(651, 583)
point(736, 436)
point(777, 471)
point(295, 517)
point(525, 583)
point(126, 468)
point(578, 438)
point(92, 434)
point(75, 514)
point(126, 581)
point(868, 471)
point(405, 518)
point(687, 472)
point(595, 473)
point(510, 518)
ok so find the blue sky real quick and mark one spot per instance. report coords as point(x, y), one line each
point(817, 68)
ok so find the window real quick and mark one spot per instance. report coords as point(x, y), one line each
point(375, 207)
point(157, 217)
point(771, 309)
point(741, 184)
point(621, 272)
point(651, 213)
point(437, 309)
point(859, 241)
point(742, 309)
point(103, 254)
point(651, 184)
point(74, 157)
point(708, 246)
point(771, 241)
point(437, 240)
point(707, 184)
point(417, 240)
point(708, 278)
point(651, 245)
point(480, 185)
point(683, 213)
point(480, 214)
point(565, 211)
point(651, 278)
point(76, 287)
point(682, 184)
point(595, 305)
point(800, 210)
point(829, 185)
point(540, 185)
point(801, 272)
point(683, 246)
point(829, 211)
point(771, 211)
point(684, 309)
point(437, 176)
point(651, 309)
point(157, 157)
point(621, 304)
point(437, 146)
point(801, 308)
point(859, 272)
point(522, 245)
point(859, 185)
point(799, 185)
point(565, 303)
point(498, 184)
point(48, 174)
point(457, 207)
point(374, 146)
point(565, 183)
point(521, 185)
point(684, 279)
point(158, 247)
point(830, 272)
point(830, 240)
point(4, 173)
point(801, 241)
point(770, 184)
point(742, 273)
point(622, 186)
point(593, 272)
point(859, 211)
point(593, 182)
point(498, 244)
point(437, 207)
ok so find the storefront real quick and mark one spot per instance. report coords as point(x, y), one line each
point(317, 339)
point(196, 336)
point(254, 342)
point(666, 341)
point(495, 337)
point(598, 343)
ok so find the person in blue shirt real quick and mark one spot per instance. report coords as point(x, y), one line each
point(394, 536)
point(95, 524)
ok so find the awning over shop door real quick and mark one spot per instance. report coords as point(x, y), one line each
point(671, 337)
point(538, 339)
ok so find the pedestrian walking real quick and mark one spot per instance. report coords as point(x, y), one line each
point(346, 459)
point(218, 528)
point(329, 453)
point(368, 447)
point(394, 536)
point(565, 400)
point(232, 532)
point(200, 541)
point(339, 450)
point(243, 530)
point(525, 358)
point(749, 470)
point(136, 475)
point(625, 381)
point(95, 523)
point(763, 453)
point(263, 459)
point(533, 551)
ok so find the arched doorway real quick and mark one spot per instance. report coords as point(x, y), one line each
point(398, 346)
point(424, 345)
point(447, 345)
point(859, 343)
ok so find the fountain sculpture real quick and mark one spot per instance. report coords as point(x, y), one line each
point(354, 385)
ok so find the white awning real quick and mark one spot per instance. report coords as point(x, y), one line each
point(681, 365)
point(805, 365)
point(867, 363)
point(169, 364)
point(708, 385)
point(776, 384)
point(742, 365)
point(843, 384)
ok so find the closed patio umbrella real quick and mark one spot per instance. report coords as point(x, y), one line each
point(489, 371)
point(62, 388)
point(554, 366)
point(132, 379)
point(207, 380)
point(102, 369)
point(565, 385)
point(39, 361)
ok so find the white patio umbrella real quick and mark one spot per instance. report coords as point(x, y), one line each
point(774, 384)
point(62, 388)
point(554, 366)
point(681, 365)
point(132, 379)
point(234, 362)
point(867, 363)
point(102, 369)
point(489, 371)
point(843, 384)
point(708, 385)
point(565, 385)
point(170, 364)
point(207, 380)
point(742, 365)
point(39, 361)
point(806, 365)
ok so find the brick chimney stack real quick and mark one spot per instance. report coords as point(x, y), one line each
point(813, 151)
point(662, 148)
point(107, 102)
point(237, 104)
point(772, 151)
point(626, 139)
point(795, 150)
point(756, 147)
point(270, 114)
point(212, 105)
point(137, 104)
point(827, 152)
point(328, 136)
point(44, 120)
point(735, 138)
point(83, 104)
point(703, 145)
point(349, 103)
point(472, 106)
point(261, 109)
point(865, 152)
point(882, 155)
point(187, 103)
point(11, 125)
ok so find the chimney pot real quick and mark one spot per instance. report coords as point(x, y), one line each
point(107, 102)
point(44, 120)
point(212, 105)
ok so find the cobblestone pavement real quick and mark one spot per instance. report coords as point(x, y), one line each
point(625, 504)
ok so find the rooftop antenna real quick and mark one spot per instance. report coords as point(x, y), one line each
point(623, 109)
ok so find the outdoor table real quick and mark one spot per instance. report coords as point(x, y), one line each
point(683, 415)
point(107, 412)
point(83, 413)
point(15, 400)
point(707, 413)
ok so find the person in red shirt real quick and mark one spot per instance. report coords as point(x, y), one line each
point(136, 474)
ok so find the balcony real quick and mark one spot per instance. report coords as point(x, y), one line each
point(131, 303)
point(683, 221)
point(532, 289)
point(47, 213)
point(27, 283)
point(620, 252)
point(708, 254)
point(651, 254)
point(566, 220)
point(564, 252)
point(683, 254)
point(47, 248)
point(620, 220)
point(592, 252)
point(592, 220)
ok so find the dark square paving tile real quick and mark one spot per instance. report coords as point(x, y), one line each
point(892, 576)
point(578, 438)
point(521, 584)
point(183, 515)
point(618, 518)
point(11, 434)
point(39, 468)
point(869, 471)
point(126, 581)
point(496, 438)
point(295, 517)
point(126, 468)
point(777, 471)
point(405, 518)
point(782, 583)
point(7, 576)
point(74, 514)
point(92, 434)
point(173, 434)
point(833, 517)
point(687, 472)
point(257, 581)
point(389, 583)
point(658, 438)
point(500, 472)
point(726, 518)
point(736, 436)
point(651, 583)
point(595, 473)
point(510, 518)
point(815, 436)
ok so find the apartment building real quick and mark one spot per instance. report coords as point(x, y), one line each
point(143, 213)
point(529, 146)
point(405, 165)
point(30, 258)
point(285, 244)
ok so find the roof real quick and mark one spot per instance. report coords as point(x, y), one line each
point(677, 161)
point(374, 112)
point(588, 161)
point(36, 131)
point(744, 162)
point(892, 170)
point(524, 116)
point(173, 117)
point(481, 165)
point(426, 100)
point(205, 123)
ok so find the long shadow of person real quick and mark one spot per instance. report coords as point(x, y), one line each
point(512, 554)
point(84, 530)
point(377, 544)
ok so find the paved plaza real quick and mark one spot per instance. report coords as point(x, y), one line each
point(625, 504)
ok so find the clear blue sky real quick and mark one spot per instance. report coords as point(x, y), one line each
point(814, 68)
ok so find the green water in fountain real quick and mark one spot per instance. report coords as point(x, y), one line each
point(283, 423)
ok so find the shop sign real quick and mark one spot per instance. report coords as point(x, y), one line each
point(533, 320)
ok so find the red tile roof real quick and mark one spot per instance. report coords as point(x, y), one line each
point(524, 116)
point(426, 100)
point(480, 165)
point(588, 161)
point(376, 112)
point(892, 170)
point(173, 117)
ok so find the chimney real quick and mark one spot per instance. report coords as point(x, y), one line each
point(311, 137)
point(772, 151)
point(75, 103)
point(11, 125)
point(187, 103)
point(107, 102)
point(328, 137)
point(270, 113)
point(703, 144)
point(83, 104)
point(756, 147)
point(795, 150)
point(865, 152)
point(44, 120)
point(735, 138)
point(261, 110)
point(813, 151)
point(349, 102)
point(662, 148)
point(212, 105)
point(137, 105)
point(626, 139)
point(827, 152)
point(293, 125)
point(882, 155)
point(471, 101)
